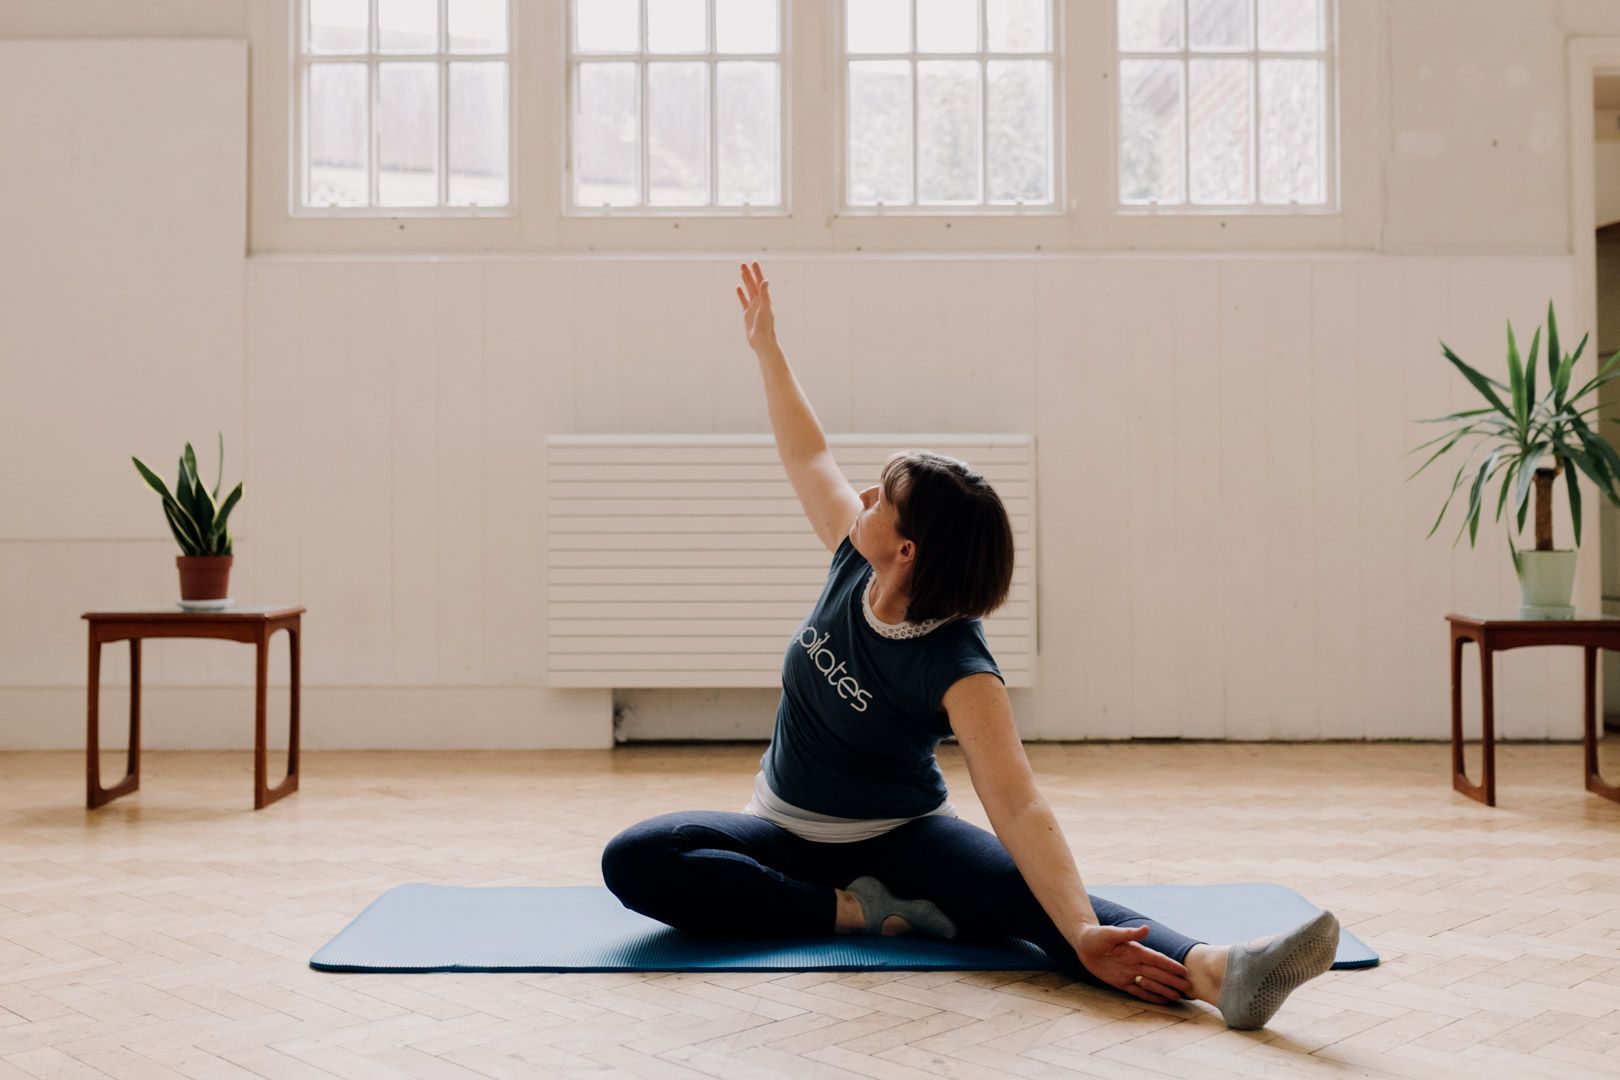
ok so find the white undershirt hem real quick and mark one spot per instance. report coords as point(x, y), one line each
point(825, 828)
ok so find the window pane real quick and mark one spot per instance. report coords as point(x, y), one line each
point(677, 133)
point(677, 26)
point(477, 26)
point(948, 26)
point(607, 25)
point(336, 136)
point(877, 26)
point(948, 139)
point(1218, 126)
point(1150, 25)
point(337, 26)
point(1016, 25)
point(407, 134)
point(1218, 24)
point(408, 26)
point(749, 142)
point(1150, 131)
point(879, 124)
point(1291, 165)
point(1019, 115)
point(1291, 24)
point(478, 133)
point(605, 146)
point(745, 26)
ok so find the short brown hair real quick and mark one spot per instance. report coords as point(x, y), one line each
point(964, 562)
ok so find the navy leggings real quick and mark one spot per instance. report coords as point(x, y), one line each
point(710, 872)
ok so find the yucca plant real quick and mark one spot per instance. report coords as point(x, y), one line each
point(196, 517)
point(1529, 440)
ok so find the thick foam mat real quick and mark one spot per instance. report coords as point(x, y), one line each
point(420, 927)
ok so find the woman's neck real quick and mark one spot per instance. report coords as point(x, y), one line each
point(888, 605)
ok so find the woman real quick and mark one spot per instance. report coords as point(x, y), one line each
point(850, 829)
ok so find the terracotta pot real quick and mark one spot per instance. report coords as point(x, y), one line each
point(204, 577)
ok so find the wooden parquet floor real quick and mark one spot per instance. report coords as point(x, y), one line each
point(169, 932)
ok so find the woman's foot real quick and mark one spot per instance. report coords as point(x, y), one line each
point(852, 917)
point(1258, 976)
point(866, 897)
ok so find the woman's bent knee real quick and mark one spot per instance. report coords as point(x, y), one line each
point(635, 859)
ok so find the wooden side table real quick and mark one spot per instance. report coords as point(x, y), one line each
point(252, 625)
point(1494, 634)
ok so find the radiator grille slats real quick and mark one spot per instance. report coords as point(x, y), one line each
point(686, 561)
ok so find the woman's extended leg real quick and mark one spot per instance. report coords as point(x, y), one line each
point(970, 875)
point(722, 874)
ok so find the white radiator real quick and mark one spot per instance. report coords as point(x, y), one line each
point(686, 560)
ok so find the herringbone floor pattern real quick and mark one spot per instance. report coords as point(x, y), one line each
point(169, 932)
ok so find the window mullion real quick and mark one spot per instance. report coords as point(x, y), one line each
point(984, 106)
point(441, 167)
point(711, 41)
point(643, 109)
point(373, 89)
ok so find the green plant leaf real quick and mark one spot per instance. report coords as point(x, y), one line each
point(1516, 378)
point(153, 480)
point(1527, 473)
point(221, 474)
point(1471, 522)
point(225, 512)
point(1480, 382)
point(1555, 358)
point(1530, 367)
point(1507, 483)
point(1573, 483)
point(183, 528)
point(1454, 437)
point(185, 490)
point(1515, 552)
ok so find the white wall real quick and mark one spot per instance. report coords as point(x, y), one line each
point(1228, 544)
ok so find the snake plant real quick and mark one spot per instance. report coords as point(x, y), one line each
point(196, 517)
point(1529, 440)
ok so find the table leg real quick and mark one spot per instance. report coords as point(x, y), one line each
point(1594, 779)
point(1483, 792)
point(95, 794)
point(263, 795)
point(1487, 734)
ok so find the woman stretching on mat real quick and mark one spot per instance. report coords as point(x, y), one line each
point(850, 829)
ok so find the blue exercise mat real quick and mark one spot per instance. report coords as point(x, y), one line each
point(420, 927)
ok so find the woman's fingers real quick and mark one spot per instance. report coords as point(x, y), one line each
point(1152, 984)
point(741, 299)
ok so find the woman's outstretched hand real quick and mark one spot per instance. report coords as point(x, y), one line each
point(755, 296)
point(1116, 956)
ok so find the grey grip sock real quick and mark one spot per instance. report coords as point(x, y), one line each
point(878, 903)
point(1259, 977)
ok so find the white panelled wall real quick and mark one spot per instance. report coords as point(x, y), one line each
point(1227, 548)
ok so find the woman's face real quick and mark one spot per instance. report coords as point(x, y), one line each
point(876, 534)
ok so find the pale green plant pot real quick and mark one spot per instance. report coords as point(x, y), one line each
point(1546, 580)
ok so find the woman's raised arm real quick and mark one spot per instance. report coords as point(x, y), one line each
point(829, 500)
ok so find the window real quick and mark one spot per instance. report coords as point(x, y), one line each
point(403, 104)
point(948, 103)
point(675, 104)
point(1225, 103)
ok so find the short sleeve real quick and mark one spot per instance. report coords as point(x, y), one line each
point(968, 654)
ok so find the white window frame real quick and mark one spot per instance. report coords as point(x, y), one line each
point(1057, 154)
point(1328, 54)
point(298, 116)
point(536, 227)
point(784, 135)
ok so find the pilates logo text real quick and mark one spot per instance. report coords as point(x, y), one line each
point(829, 665)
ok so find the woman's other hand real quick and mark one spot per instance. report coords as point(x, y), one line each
point(755, 296)
point(1116, 956)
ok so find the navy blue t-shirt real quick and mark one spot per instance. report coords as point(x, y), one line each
point(861, 714)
